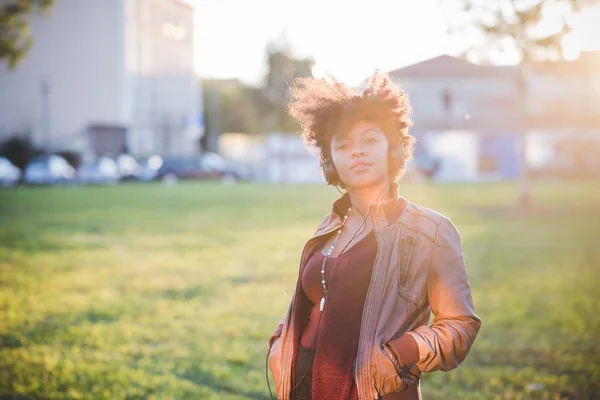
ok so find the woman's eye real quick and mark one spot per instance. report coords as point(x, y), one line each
point(371, 140)
point(342, 147)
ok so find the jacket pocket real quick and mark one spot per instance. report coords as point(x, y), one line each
point(405, 265)
point(390, 377)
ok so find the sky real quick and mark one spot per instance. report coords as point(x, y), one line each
point(349, 39)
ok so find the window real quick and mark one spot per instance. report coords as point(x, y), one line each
point(173, 31)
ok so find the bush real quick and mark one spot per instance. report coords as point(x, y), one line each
point(19, 151)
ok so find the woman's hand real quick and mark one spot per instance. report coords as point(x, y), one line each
point(393, 377)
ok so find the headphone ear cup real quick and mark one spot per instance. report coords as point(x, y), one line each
point(329, 172)
point(396, 158)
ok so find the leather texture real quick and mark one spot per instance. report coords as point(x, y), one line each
point(419, 270)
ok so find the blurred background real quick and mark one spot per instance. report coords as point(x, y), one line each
point(156, 195)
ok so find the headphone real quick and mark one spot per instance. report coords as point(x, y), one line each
point(395, 162)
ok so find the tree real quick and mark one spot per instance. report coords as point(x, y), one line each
point(230, 106)
point(283, 67)
point(239, 100)
point(15, 34)
point(19, 150)
point(514, 26)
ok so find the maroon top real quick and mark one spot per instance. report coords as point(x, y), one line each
point(350, 288)
point(348, 277)
point(340, 325)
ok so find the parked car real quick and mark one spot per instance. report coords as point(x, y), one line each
point(102, 171)
point(9, 174)
point(204, 166)
point(129, 168)
point(149, 168)
point(182, 168)
point(221, 167)
point(48, 170)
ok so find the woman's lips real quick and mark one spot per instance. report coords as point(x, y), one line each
point(360, 166)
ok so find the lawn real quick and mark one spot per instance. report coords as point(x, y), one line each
point(155, 292)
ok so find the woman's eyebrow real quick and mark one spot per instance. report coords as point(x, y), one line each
point(340, 139)
point(370, 130)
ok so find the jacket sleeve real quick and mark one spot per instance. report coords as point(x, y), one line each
point(277, 332)
point(445, 344)
point(279, 329)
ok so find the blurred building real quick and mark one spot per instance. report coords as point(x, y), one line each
point(450, 93)
point(471, 118)
point(107, 77)
point(289, 161)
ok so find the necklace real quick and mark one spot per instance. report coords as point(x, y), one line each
point(328, 255)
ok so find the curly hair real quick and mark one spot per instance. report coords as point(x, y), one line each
point(326, 108)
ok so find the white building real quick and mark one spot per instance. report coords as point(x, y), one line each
point(107, 76)
point(559, 94)
point(476, 96)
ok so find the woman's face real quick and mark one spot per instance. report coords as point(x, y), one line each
point(361, 156)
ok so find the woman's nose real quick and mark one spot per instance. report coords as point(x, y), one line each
point(357, 152)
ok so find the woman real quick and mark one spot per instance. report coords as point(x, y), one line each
point(377, 266)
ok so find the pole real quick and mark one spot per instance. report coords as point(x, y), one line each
point(524, 184)
point(212, 138)
point(45, 114)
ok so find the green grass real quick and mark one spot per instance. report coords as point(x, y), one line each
point(152, 292)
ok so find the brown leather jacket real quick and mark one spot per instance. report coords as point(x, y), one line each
point(419, 269)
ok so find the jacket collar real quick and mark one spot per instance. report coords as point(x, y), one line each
point(387, 210)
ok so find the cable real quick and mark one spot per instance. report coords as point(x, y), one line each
point(313, 356)
point(315, 340)
point(358, 232)
point(267, 370)
point(364, 223)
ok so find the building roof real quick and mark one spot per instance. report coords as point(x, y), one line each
point(184, 3)
point(446, 66)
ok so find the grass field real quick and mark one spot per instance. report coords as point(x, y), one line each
point(152, 292)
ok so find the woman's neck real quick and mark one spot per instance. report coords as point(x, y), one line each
point(362, 198)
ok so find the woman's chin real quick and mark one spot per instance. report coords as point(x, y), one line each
point(365, 182)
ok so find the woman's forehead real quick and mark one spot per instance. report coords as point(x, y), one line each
point(358, 129)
